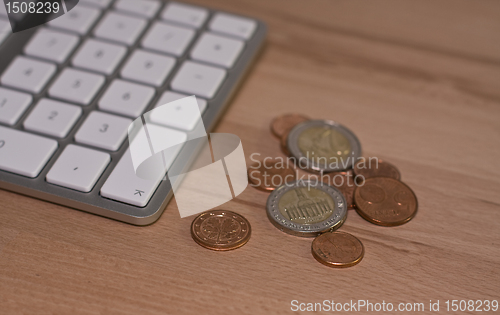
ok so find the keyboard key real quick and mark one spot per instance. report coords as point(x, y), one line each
point(184, 118)
point(99, 56)
point(198, 79)
point(51, 45)
point(78, 168)
point(125, 186)
point(145, 8)
point(126, 98)
point(12, 105)
point(24, 153)
point(218, 50)
point(78, 20)
point(168, 38)
point(76, 86)
point(185, 14)
point(146, 67)
point(5, 29)
point(103, 4)
point(103, 131)
point(233, 25)
point(52, 118)
point(28, 74)
point(120, 28)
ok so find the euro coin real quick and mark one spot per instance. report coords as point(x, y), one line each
point(369, 168)
point(306, 208)
point(343, 181)
point(282, 124)
point(385, 201)
point(337, 249)
point(220, 230)
point(323, 145)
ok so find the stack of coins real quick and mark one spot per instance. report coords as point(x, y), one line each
point(318, 208)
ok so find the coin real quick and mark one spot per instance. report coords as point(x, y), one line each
point(323, 145)
point(343, 181)
point(306, 208)
point(378, 168)
point(385, 201)
point(337, 249)
point(269, 174)
point(220, 230)
point(282, 124)
point(283, 142)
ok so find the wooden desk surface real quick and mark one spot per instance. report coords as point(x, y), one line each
point(417, 81)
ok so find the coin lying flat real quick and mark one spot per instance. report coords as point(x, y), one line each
point(378, 168)
point(337, 249)
point(282, 124)
point(385, 201)
point(323, 145)
point(343, 181)
point(270, 174)
point(306, 208)
point(220, 230)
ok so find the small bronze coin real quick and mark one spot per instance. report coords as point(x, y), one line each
point(337, 249)
point(385, 201)
point(269, 174)
point(220, 230)
point(343, 181)
point(281, 125)
point(369, 169)
point(283, 144)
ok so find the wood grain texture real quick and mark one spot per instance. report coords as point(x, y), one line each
point(419, 84)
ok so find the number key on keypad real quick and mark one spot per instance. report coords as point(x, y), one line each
point(120, 28)
point(233, 25)
point(78, 20)
point(28, 74)
point(185, 14)
point(99, 56)
point(24, 153)
point(145, 8)
point(168, 38)
point(76, 86)
point(147, 67)
point(103, 131)
point(218, 50)
point(51, 45)
point(52, 118)
point(126, 98)
point(12, 105)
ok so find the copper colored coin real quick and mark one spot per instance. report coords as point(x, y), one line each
point(369, 169)
point(220, 230)
point(343, 181)
point(269, 174)
point(385, 201)
point(283, 144)
point(283, 124)
point(337, 249)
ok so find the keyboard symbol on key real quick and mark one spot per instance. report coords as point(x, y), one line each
point(217, 172)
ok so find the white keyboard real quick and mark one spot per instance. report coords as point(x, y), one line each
point(69, 94)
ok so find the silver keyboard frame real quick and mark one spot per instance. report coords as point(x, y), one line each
point(92, 201)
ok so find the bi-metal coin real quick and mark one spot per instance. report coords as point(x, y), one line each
point(323, 145)
point(306, 208)
point(220, 230)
